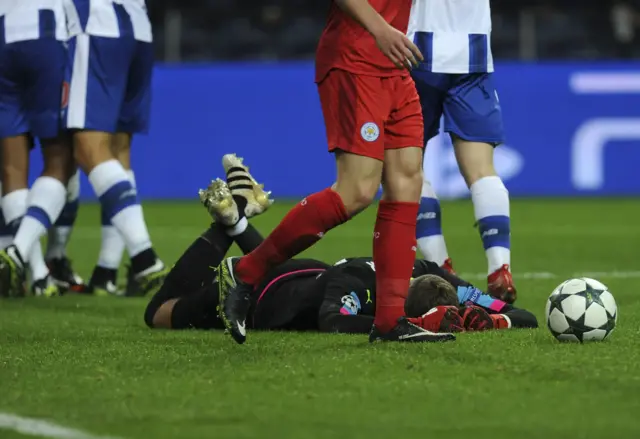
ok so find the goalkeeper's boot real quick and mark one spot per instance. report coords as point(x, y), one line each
point(500, 285)
point(244, 188)
point(12, 273)
point(407, 331)
point(63, 275)
point(447, 266)
point(45, 287)
point(475, 318)
point(219, 202)
point(234, 300)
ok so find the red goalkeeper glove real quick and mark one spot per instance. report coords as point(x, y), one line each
point(475, 318)
point(440, 319)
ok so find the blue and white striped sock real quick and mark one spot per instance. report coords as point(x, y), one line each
point(429, 227)
point(112, 244)
point(46, 200)
point(119, 202)
point(491, 206)
point(59, 234)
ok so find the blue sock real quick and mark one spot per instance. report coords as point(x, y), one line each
point(429, 227)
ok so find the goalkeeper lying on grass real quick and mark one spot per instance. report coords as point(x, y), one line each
point(306, 294)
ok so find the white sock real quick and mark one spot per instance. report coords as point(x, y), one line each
point(239, 228)
point(46, 200)
point(429, 226)
point(39, 269)
point(60, 233)
point(112, 246)
point(14, 206)
point(118, 199)
point(491, 207)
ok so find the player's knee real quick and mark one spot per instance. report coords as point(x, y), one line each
point(150, 312)
point(158, 315)
point(121, 148)
point(403, 174)
point(358, 181)
point(357, 196)
point(58, 160)
point(91, 148)
point(404, 186)
point(15, 163)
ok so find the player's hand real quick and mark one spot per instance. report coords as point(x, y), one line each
point(475, 318)
point(398, 48)
point(440, 319)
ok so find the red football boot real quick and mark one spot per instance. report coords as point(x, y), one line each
point(447, 265)
point(500, 285)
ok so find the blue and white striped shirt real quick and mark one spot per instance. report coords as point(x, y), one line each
point(109, 18)
point(23, 20)
point(453, 35)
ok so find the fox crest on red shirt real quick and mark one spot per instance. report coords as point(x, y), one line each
point(346, 45)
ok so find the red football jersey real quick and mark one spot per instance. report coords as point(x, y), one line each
point(346, 45)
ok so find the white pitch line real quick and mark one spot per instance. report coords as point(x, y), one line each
point(42, 428)
point(547, 275)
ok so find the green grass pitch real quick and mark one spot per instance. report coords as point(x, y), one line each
point(91, 364)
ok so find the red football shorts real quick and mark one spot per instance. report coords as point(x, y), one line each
point(365, 115)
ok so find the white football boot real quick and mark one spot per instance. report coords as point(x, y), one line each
point(219, 202)
point(241, 183)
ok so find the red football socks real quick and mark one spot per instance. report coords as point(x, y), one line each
point(302, 227)
point(394, 252)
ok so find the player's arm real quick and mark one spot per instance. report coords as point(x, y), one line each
point(393, 43)
point(518, 318)
point(467, 293)
point(338, 316)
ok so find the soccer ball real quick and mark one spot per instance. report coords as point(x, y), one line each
point(581, 310)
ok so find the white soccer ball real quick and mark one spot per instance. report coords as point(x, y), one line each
point(581, 310)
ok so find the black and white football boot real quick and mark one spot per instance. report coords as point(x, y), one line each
point(405, 331)
point(248, 194)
